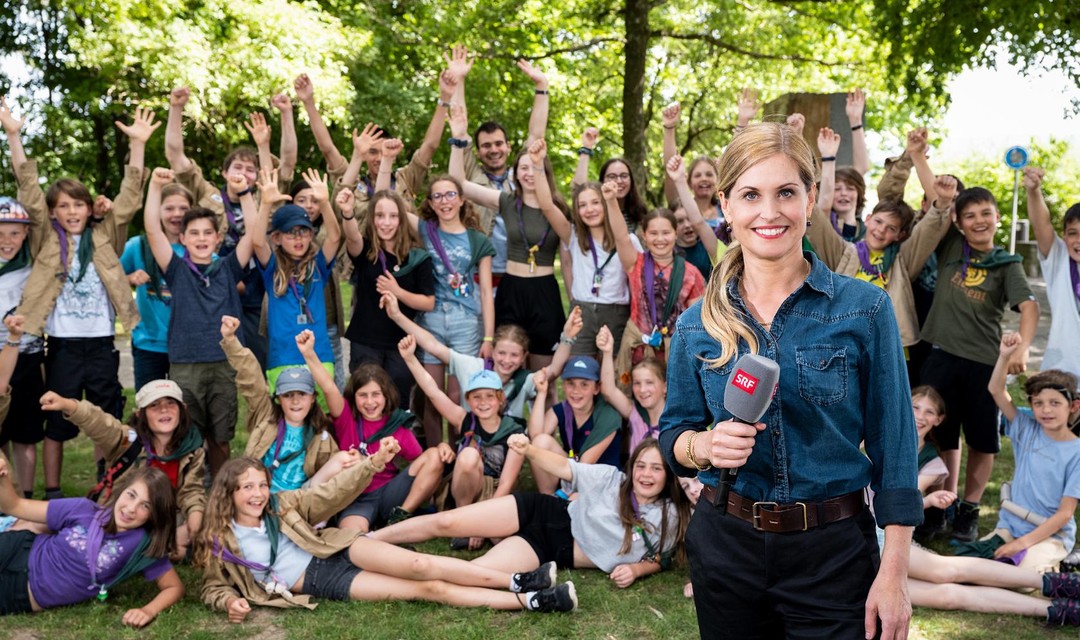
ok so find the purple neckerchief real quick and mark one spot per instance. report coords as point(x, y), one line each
point(369, 186)
point(568, 426)
point(470, 435)
point(966, 259)
point(1014, 559)
point(433, 235)
point(302, 299)
point(382, 261)
point(195, 269)
point(1074, 276)
point(868, 267)
point(63, 247)
point(834, 221)
point(518, 204)
point(228, 556)
point(650, 288)
point(95, 536)
point(226, 203)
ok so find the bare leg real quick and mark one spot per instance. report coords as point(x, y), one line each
point(433, 431)
point(25, 464)
point(495, 518)
point(387, 559)
point(356, 523)
point(468, 477)
point(979, 466)
point(965, 597)
point(932, 568)
point(951, 458)
point(545, 482)
point(512, 554)
point(371, 586)
point(53, 454)
point(427, 471)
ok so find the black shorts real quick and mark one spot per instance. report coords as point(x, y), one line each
point(331, 577)
point(74, 366)
point(534, 304)
point(25, 422)
point(15, 571)
point(963, 384)
point(375, 507)
point(544, 522)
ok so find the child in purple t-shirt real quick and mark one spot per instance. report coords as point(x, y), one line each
point(131, 533)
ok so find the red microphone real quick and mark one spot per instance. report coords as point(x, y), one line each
point(747, 396)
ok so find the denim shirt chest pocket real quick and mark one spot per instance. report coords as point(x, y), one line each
point(713, 381)
point(823, 373)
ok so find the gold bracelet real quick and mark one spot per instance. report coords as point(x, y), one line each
point(690, 453)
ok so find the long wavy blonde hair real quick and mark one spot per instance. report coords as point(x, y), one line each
point(726, 324)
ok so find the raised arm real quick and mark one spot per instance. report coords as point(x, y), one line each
point(670, 116)
point(447, 86)
point(676, 173)
point(1010, 344)
point(424, 339)
point(446, 407)
point(12, 127)
point(459, 130)
point(288, 151)
point(138, 132)
point(257, 224)
point(130, 198)
point(174, 130)
point(1038, 212)
point(9, 355)
point(554, 215)
point(549, 461)
point(250, 378)
point(260, 135)
point(391, 149)
point(628, 255)
point(487, 306)
point(155, 234)
point(305, 93)
point(605, 343)
point(541, 419)
point(354, 239)
point(320, 189)
point(571, 329)
point(828, 144)
point(589, 138)
point(916, 149)
point(335, 402)
point(362, 143)
point(1029, 322)
point(539, 117)
point(856, 104)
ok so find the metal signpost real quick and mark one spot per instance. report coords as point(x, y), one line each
point(1016, 158)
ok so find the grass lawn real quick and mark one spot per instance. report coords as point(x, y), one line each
point(652, 608)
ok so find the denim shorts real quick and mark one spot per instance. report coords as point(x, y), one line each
point(454, 326)
point(15, 571)
point(331, 577)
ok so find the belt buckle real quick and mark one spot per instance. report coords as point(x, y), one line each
point(756, 511)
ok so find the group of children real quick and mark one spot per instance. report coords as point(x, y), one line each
point(456, 311)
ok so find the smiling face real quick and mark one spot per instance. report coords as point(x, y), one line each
point(386, 220)
point(525, 173)
point(649, 475)
point(305, 199)
point(660, 238)
point(978, 222)
point(767, 208)
point(492, 150)
point(173, 209)
point(927, 415)
point(702, 178)
point(882, 229)
point(580, 393)
point(508, 357)
point(686, 236)
point(250, 497)
point(484, 403)
point(648, 389)
point(1051, 408)
point(370, 401)
point(590, 208)
point(445, 200)
point(618, 173)
point(200, 239)
point(296, 405)
point(1072, 239)
point(845, 197)
point(71, 213)
point(163, 416)
point(12, 236)
point(132, 508)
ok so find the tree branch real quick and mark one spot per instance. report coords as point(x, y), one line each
point(726, 46)
point(582, 46)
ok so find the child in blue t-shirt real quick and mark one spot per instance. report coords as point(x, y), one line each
point(1046, 481)
point(295, 270)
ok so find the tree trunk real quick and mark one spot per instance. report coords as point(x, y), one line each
point(635, 53)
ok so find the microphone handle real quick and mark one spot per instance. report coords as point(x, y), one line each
point(723, 488)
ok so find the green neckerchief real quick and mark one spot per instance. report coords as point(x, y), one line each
point(192, 441)
point(136, 563)
point(520, 377)
point(412, 260)
point(273, 528)
point(888, 256)
point(926, 454)
point(21, 259)
point(995, 258)
point(476, 244)
point(508, 426)
point(151, 267)
point(675, 282)
point(395, 421)
point(85, 250)
point(606, 421)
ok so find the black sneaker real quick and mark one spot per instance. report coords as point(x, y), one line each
point(1071, 563)
point(1063, 612)
point(560, 599)
point(540, 578)
point(397, 514)
point(933, 525)
point(459, 544)
point(1061, 585)
point(966, 525)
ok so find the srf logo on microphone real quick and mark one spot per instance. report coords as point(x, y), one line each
point(744, 381)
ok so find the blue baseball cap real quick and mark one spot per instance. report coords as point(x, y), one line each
point(294, 379)
point(484, 379)
point(289, 217)
point(11, 210)
point(582, 367)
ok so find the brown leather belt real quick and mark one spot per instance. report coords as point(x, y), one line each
point(785, 518)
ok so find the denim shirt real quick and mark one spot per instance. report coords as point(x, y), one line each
point(843, 381)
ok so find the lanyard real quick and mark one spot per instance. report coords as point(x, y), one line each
point(274, 585)
point(204, 277)
point(869, 267)
point(639, 528)
point(458, 283)
point(302, 299)
point(598, 269)
point(95, 535)
point(519, 205)
point(279, 440)
point(650, 289)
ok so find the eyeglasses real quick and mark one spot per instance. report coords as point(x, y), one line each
point(298, 232)
point(438, 197)
point(621, 177)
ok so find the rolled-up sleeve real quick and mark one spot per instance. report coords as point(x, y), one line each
point(686, 409)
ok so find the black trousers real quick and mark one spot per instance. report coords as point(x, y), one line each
point(810, 584)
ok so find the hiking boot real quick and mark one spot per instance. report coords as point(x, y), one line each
point(1071, 563)
point(560, 599)
point(1061, 585)
point(933, 525)
point(966, 525)
point(1063, 612)
point(459, 544)
point(537, 579)
point(397, 514)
